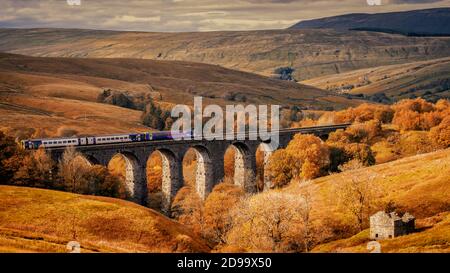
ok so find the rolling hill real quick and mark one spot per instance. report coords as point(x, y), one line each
point(51, 94)
point(417, 184)
point(36, 220)
point(311, 52)
point(428, 79)
point(415, 22)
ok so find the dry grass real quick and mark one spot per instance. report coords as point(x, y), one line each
point(312, 52)
point(430, 238)
point(390, 79)
point(34, 220)
point(417, 184)
point(45, 94)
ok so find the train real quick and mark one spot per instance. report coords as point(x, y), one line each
point(33, 144)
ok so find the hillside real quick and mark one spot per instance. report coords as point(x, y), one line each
point(51, 94)
point(434, 237)
point(311, 52)
point(35, 220)
point(428, 79)
point(415, 22)
point(417, 184)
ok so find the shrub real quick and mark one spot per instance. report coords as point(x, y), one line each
point(361, 152)
point(418, 105)
point(365, 112)
point(407, 120)
point(414, 142)
point(440, 135)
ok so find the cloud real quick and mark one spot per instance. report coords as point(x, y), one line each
point(187, 15)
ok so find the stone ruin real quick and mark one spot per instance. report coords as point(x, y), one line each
point(390, 225)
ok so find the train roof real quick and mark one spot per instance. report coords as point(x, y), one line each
point(76, 137)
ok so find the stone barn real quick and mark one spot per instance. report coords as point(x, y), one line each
point(390, 225)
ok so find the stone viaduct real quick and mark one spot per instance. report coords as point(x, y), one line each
point(210, 161)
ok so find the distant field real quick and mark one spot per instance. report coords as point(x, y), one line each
point(50, 94)
point(34, 220)
point(312, 52)
point(400, 81)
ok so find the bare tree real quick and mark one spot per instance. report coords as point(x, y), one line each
point(266, 222)
point(72, 169)
point(357, 193)
point(305, 215)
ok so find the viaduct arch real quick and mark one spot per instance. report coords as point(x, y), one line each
point(210, 162)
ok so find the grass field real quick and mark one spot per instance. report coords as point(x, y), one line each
point(433, 235)
point(399, 81)
point(35, 220)
point(312, 52)
point(50, 94)
point(417, 184)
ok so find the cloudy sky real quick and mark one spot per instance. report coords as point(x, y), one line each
point(187, 15)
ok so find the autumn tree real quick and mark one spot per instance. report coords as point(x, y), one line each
point(99, 181)
point(218, 219)
point(310, 156)
point(72, 168)
point(229, 162)
point(357, 194)
point(308, 232)
point(10, 158)
point(187, 208)
point(268, 222)
point(305, 157)
point(365, 112)
point(37, 169)
point(418, 105)
point(279, 169)
point(440, 135)
point(276, 222)
point(416, 114)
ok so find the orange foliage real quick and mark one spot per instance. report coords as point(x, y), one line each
point(187, 208)
point(440, 135)
point(306, 156)
point(218, 219)
point(154, 173)
point(311, 149)
point(365, 112)
point(418, 105)
point(279, 168)
point(229, 162)
point(407, 120)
